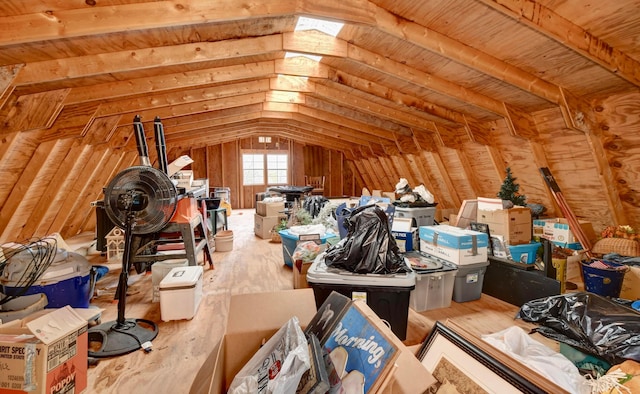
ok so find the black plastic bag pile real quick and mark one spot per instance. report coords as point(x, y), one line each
point(314, 204)
point(589, 322)
point(369, 247)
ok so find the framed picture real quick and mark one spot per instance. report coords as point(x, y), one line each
point(483, 228)
point(460, 366)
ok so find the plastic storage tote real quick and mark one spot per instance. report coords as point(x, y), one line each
point(289, 242)
point(468, 283)
point(434, 288)
point(387, 295)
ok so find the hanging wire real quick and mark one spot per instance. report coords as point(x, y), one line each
point(41, 252)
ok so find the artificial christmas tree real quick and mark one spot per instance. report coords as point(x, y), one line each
point(509, 190)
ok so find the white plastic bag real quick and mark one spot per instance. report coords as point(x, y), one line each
point(278, 366)
point(307, 251)
point(556, 367)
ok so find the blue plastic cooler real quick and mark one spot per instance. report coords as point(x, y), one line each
point(67, 281)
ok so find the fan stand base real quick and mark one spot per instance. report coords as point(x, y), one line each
point(121, 338)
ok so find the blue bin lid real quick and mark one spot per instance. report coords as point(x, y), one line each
point(288, 235)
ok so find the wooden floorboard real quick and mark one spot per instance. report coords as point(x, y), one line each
point(254, 265)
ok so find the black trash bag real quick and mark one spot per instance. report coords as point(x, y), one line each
point(314, 205)
point(369, 247)
point(589, 322)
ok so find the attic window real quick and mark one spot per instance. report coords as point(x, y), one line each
point(327, 27)
point(264, 140)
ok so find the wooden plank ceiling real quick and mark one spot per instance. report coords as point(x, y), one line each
point(398, 69)
point(403, 77)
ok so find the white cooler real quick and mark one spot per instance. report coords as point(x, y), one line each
point(181, 293)
point(159, 270)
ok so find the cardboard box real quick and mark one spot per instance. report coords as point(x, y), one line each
point(514, 224)
point(269, 208)
point(406, 236)
point(422, 216)
point(44, 353)
point(491, 204)
point(454, 244)
point(263, 224)
point(558, 231)
point(256, 317)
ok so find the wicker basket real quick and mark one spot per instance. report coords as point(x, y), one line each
point(275, 236)
point(621, 246)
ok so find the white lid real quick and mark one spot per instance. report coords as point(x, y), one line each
point(320, 273)
point(182, 276)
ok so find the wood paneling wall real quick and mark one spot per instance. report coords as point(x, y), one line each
point(48, 185)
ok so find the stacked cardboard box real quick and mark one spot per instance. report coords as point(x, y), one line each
point(513, 224)
point(558, 231)
point(267, 215)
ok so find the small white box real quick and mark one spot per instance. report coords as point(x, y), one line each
point(159, 270)
point(181, 293)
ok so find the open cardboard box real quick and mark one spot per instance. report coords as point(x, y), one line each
point(256, 317)
point(44, 353)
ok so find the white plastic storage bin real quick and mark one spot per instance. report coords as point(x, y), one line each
point(159, 270)
point(422, 216)
point(181, 293)
point(434, 286)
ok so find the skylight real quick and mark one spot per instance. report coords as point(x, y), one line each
point(327, 27)
point(315, 58)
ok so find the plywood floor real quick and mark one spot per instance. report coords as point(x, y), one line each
point(255, 265)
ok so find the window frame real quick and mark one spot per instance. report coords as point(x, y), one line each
point(265, 153)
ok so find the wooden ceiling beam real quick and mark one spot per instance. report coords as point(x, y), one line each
point(157, 101)
point(341, 120)
point(425, 80)
point(207, 119)
point(332, 129)
point(31, 112)
point(314, 42)
point(168, 82)
point(55, 22)
point(92, 20)
point(487, 64)
point(385, 127)
point(395, 95)
point(233, 131)
point(464, 54)
point(292, 83)
point(199, 107)
point(7, 75)
point(349, 97)
point(572, 36)
point(65, 70)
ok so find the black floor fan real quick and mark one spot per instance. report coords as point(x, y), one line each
point(140, 200)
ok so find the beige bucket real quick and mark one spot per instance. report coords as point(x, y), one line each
point(224, 241)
